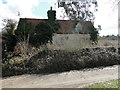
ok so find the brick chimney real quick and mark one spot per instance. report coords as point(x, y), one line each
point(50, 8)
point(51, 14)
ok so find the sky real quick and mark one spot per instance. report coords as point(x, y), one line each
point(106, 16)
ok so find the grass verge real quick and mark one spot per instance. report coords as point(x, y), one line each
point(107, 84)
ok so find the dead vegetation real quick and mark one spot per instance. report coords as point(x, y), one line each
point(50, 61)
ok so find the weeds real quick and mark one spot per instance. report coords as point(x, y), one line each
point(49, 61)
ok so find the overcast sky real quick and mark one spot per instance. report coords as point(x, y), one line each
point(106, 16)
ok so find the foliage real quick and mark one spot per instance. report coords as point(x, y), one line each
point(42, 34)
point(10, 41)
point(51, 15)
point(108, 84)
point(13, 67)
point(8, 35)
point(44, 31)
point(79, 10)
point(93, 34)
point(47, 61)
point(52, 20)
point(51, 61)
point(9, 26)
point(54, 25)
point(23, 30)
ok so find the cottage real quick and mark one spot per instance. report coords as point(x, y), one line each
point(70, 31)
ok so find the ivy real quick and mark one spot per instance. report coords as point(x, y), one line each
point(54, 25)
point(42, 34)
point(52, 20)
point(23, 30)
point(51, 15)
point(94, 36)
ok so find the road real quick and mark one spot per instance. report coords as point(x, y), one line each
point(72, 79)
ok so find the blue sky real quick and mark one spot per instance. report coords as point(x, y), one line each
point(4, 1)
point(106, 16)
point(41, 9)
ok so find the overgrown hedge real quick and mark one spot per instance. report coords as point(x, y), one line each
point(61, 61)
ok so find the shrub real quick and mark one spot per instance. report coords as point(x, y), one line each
point(42, 34)
point(60, 61)
point(49, 61)
point(10, 41)
point(94, 35)
point(23, 32)
point(8, 35)
point(10, 68)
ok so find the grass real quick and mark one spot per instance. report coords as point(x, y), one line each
point(107, 84)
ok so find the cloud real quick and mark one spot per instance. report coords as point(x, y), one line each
point(108, 32)
point(12, 7)
point(107, 18)
point(60, 14)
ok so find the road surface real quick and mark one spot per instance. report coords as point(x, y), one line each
point(72, 79)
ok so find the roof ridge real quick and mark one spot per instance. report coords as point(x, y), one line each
point(47, 19)
point(33, 19)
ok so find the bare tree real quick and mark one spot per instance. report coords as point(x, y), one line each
point(78, 9)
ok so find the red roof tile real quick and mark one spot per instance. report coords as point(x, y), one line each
point(66, 26)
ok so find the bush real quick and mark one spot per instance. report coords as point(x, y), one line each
point(10, 41)
point(10, 68)
point(94, 35)
point(60, 61)
point(42, 31)
point(8, 45)
point(8, 35)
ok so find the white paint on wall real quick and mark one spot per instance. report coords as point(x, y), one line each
point(70, 41)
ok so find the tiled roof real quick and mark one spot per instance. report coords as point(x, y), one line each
point(66, 26)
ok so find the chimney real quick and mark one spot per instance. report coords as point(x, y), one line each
point(50, 8)
point(51, 14)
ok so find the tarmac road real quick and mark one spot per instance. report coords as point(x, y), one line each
point(72, 79)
